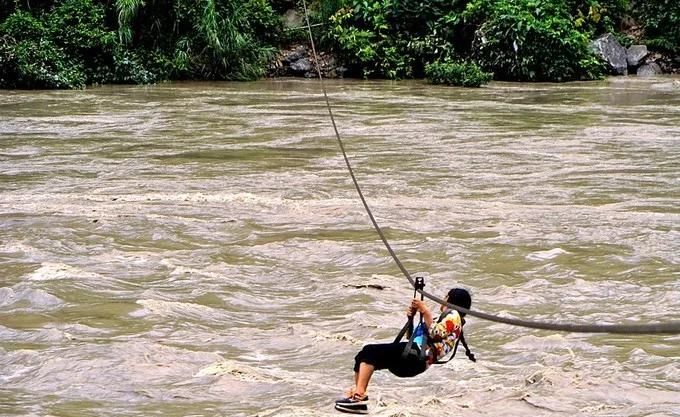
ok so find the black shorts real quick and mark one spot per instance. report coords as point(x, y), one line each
point(388, 356)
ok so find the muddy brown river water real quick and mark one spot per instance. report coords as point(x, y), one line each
point(198, 249)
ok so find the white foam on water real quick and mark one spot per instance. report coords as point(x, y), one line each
point(299, 411)
point(550, 203)
point(23, 151)
point(180, 310)
point(49, 271)
point(23, 298)
point(238, 371)
point(18, 365)
point(18, 247)
point(546, 255)
point(324, 336)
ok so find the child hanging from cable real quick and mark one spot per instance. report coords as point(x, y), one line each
point(428, 344)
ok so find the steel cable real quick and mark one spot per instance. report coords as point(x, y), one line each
point(648, 328)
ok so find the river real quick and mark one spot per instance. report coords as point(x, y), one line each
point(198, 249)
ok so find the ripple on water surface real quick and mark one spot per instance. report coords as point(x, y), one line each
point(199, 249)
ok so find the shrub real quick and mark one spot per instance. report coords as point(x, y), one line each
point(526, 40)
point(464, 74)
point(30, 59)
point(210, 39)
point(394, 39)
point(530, 40)
point(595, 17)
point(65, 47)
point(661, 21)
point(132, 66)
point(71, 43)
point(77, 27)
point(357, 31)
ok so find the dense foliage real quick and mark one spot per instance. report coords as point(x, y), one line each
point(396, 39)
point(530, 40)
point(545, 40)
point(73, 43)
point(61, 49)
point(463, 74)
point(661, 20)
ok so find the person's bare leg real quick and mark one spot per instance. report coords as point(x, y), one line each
point(363, 377)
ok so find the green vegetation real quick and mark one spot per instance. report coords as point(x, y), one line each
point(530, 40)
point(527, 40)
point(73, 43)
point(661, 19)
point(396, 39)
point(463, 74)
point(59, 50)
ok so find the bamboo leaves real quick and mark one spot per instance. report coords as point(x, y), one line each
point(127, 10)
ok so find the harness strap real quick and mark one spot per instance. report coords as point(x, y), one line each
point(413, 333)
point(416, 348)
point(419, 349)
point(408, 327)
point(468, 352)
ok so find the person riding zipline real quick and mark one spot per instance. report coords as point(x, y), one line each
point(428, 344)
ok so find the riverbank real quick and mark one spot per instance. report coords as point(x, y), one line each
point(297, 60)
point(74, 43)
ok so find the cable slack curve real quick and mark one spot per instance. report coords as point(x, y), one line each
point(642, 328)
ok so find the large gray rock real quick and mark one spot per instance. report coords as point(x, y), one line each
point(301, 66)
point(649, 70)
point(296, 54)
point(635, 54)
point(612, 52)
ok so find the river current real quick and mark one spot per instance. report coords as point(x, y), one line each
point(198, 249)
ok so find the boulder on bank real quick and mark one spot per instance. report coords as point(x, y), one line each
point(668, 64)
point(635, 54)
point(301, 67)
point(298, 61)
point(649, 70)
point(609, 48)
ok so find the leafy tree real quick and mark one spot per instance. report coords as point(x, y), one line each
point(527, 40)
point(30, 59)
point(661, 21)
point(595, 17)
point(395, 39)
point(213, 39)
point(530, 40)
point(70, 43)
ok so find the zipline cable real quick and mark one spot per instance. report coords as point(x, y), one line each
point(650, 328)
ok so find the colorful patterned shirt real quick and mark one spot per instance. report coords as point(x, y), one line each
point(444, 333)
